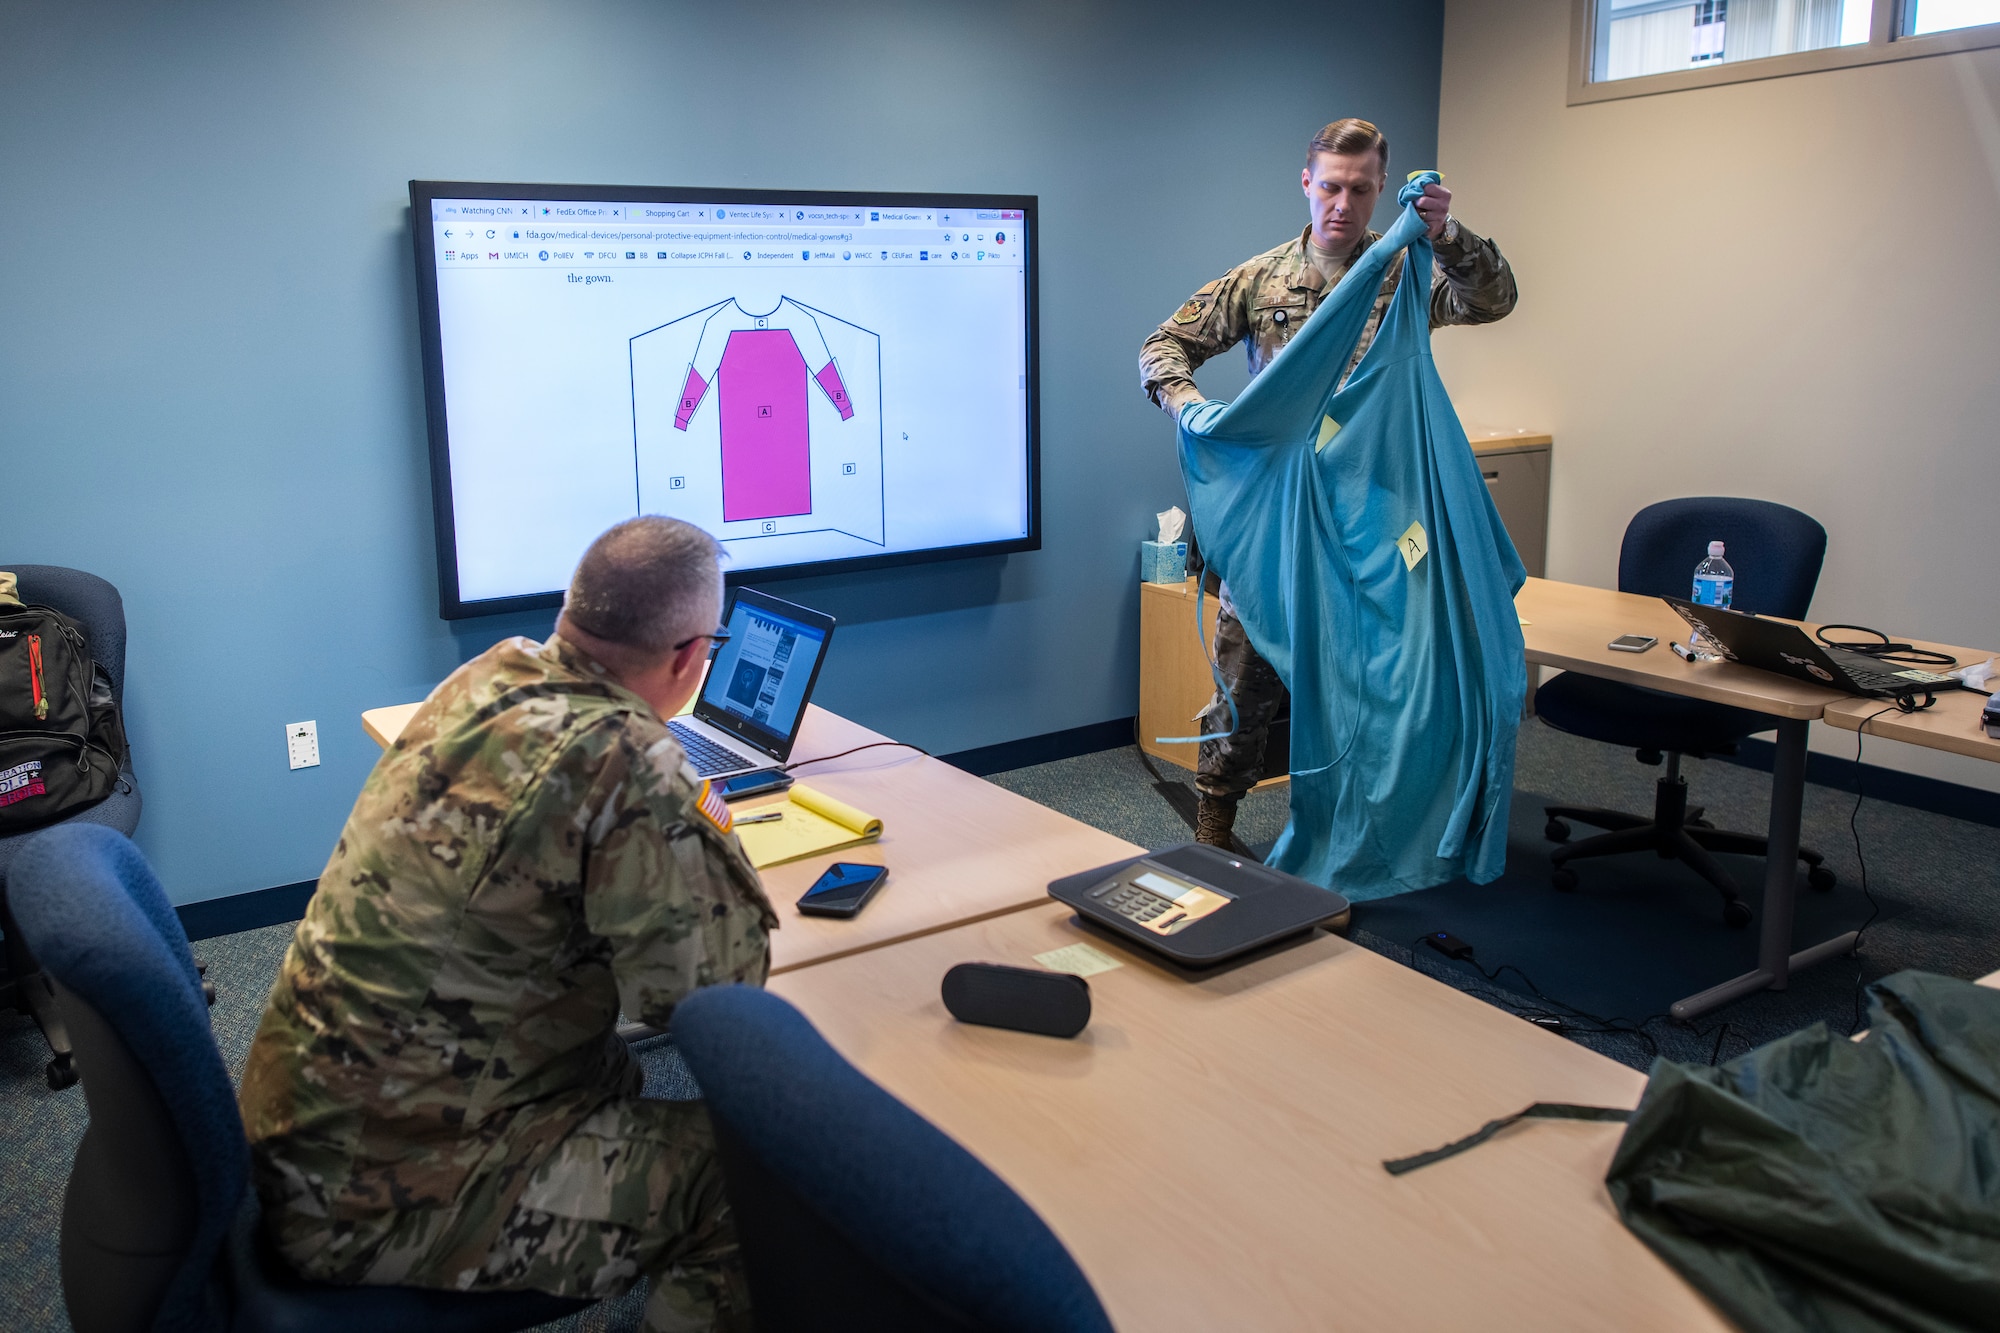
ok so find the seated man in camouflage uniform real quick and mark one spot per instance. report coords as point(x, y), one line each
point(1266, 300)
point(438, 1095)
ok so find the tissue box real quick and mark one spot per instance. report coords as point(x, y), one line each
point(1162, 562)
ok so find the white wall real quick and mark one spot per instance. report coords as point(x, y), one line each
point(1787, 289)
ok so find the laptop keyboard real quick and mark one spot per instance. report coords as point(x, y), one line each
point(1869, 676)
point(707, 757)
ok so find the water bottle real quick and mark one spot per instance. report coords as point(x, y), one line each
point(1714, 585)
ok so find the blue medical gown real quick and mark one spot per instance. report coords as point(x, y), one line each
point(1406, 679)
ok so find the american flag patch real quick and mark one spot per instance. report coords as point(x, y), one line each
point(713, 808)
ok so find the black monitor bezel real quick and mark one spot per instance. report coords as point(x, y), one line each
point(452, 607)
point(749, 732)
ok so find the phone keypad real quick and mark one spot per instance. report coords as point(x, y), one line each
point(1135, 905)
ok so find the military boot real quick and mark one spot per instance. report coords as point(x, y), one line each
point(1215, 821)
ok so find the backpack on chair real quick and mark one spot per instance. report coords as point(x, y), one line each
point(62, 741)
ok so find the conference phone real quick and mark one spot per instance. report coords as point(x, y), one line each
point(1197, 905)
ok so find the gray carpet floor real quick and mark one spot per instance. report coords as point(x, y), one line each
point(1941, 875)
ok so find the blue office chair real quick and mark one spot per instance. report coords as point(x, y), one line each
point(95, 605)
point(159, 1228)
point(1776, 553)
point(853, 1211)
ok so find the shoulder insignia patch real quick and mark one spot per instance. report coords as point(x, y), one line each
point(713, 808)
point(1190, 312)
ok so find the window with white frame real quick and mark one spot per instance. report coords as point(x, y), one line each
point(1628, 48)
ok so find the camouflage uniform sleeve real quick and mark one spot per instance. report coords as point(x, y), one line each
point(1208, 323)
point(675, 895)
point(1473, 283)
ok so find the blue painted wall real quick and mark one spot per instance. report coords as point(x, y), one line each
point(209, 382)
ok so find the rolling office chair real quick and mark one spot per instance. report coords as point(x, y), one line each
point(1777, 553)
point(95, 605)
point(854, 1212)
point(159, 1227)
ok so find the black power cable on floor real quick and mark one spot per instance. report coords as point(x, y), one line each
point(1563, 1020)
point(1626, 1027)
point(1854, 831)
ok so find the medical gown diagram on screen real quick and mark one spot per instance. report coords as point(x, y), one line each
point(760, 425)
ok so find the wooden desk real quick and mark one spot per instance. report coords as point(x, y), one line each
point(1569, 625)
point(958, 848)
point(1211, 1151)
point(384, 724)
point(1951, 724)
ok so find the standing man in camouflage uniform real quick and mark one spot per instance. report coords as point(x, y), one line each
point(438, 1096)
point(1266, 300)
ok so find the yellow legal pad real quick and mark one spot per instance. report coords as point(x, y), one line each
point(813, 822)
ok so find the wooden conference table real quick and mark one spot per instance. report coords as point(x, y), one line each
point(1569, 625)
point(1211, 1149)
point(959, 848)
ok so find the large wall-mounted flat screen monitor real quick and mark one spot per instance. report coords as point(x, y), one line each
point(823, 381)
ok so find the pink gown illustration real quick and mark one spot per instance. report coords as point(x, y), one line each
point(762, 368)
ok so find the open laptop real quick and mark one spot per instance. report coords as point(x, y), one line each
point(1782, 647)
point(750, 707)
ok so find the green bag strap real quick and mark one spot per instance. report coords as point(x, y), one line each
point(1539, 1111)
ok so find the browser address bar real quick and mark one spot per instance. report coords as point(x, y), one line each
point(712, 235)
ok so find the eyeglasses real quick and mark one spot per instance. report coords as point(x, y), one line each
point(716, 638)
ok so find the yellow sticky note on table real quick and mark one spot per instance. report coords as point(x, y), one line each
point(1328, 428)
point(809, 821)
point(1413, 545)
point(1079, 960)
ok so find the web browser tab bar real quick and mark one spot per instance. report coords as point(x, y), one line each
point(555, 211)
point(486, 210)
point(669, 212)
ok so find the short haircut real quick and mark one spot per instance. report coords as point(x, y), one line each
point(1350, 137)
point(645, 584)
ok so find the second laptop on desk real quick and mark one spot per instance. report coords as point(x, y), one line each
point(1782, 647)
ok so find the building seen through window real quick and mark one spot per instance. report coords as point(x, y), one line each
point(1635, 48)
point(1639, 37)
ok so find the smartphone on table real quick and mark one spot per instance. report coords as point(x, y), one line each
point(1631, 643)
point(843, 890)
point(754, 783)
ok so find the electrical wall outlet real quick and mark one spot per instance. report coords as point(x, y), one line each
point(302, 744)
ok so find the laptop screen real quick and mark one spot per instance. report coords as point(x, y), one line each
point(758, 684)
